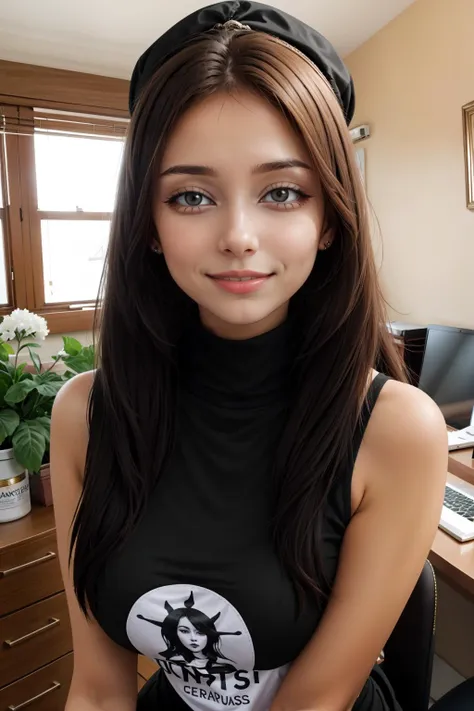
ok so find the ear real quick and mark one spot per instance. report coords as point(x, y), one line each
point(326, 239)
point(327, 235)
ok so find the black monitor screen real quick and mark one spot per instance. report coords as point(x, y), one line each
point(447, 373)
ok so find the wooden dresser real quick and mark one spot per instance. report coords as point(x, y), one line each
point(35, 635)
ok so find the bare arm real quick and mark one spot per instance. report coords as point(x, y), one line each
point(403, 463)
point(105, 675)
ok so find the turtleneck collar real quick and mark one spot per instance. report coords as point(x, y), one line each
point(243, 373)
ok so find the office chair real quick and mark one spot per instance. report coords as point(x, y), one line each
point(409, 652)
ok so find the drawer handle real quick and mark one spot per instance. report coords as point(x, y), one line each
point(30, 564)
point(53, 621)
point(55, 686)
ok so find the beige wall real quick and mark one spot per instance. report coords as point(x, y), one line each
point(411, 79)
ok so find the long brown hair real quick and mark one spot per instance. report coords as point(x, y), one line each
point(339, 314)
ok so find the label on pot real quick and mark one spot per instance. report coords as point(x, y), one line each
point(14, 497)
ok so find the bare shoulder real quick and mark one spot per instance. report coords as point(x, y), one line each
point(406, 416)
point(69, 425)
point(406, 440)
point(74, 395)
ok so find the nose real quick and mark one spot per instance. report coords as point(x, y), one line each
point(238, 239)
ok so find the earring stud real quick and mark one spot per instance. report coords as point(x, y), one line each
point(157, 249)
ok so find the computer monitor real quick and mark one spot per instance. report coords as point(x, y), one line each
point(447, 372)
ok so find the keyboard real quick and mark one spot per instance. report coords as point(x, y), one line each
point(460, 439)
point(457, 517)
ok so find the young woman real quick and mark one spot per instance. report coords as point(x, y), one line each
point(236, 442)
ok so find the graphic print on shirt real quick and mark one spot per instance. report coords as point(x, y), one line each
point(203, 646)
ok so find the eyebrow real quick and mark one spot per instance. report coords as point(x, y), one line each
point(270, 167)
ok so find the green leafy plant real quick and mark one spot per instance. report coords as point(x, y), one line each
point(26, 398)
point(76, 357)
point(27, 393)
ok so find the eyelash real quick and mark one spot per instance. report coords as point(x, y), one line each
point(302, 198)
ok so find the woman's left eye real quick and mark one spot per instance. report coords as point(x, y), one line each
point(283, 196)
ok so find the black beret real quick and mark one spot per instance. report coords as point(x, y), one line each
point(261, 18)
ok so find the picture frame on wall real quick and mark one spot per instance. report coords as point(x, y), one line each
point(468, 124)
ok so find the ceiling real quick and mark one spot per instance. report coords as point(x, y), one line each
point(107, 36)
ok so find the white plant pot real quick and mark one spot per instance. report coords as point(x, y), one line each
point(15, 501)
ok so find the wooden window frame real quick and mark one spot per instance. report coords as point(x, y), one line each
point(15, 259)
point(29, 90)
point(4, 221)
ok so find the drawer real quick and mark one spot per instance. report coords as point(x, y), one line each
point(29, 571)
point(44, 690)
point(33, 637)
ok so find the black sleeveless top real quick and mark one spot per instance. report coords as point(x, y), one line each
point(197, 585)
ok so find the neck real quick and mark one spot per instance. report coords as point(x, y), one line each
point(250, 371)
point(242, 331)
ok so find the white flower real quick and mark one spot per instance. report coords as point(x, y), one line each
point(62, 353)
point(21, 323)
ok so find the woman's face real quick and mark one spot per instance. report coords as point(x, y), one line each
point(239, 213)
point(189, 636)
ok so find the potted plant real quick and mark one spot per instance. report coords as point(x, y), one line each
point(27, 394)
point(26, 400)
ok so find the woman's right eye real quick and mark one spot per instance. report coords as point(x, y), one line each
point(190, 198)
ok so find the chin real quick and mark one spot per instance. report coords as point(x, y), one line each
point(241, 316)
point(247, 318)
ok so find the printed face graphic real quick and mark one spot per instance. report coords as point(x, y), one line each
point(190, 637)
point(203, 647)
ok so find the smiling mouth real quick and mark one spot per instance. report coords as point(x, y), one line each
point(239, 279)
point(240, 284)
point(241, 275)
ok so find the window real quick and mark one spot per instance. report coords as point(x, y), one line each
point(59, 176)
point(4, 298)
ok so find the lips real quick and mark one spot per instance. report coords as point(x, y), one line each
point(226, 278)
point(241, 282)
point(241, 275)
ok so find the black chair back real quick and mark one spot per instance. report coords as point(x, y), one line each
point(459, 699)
point(409, 652)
